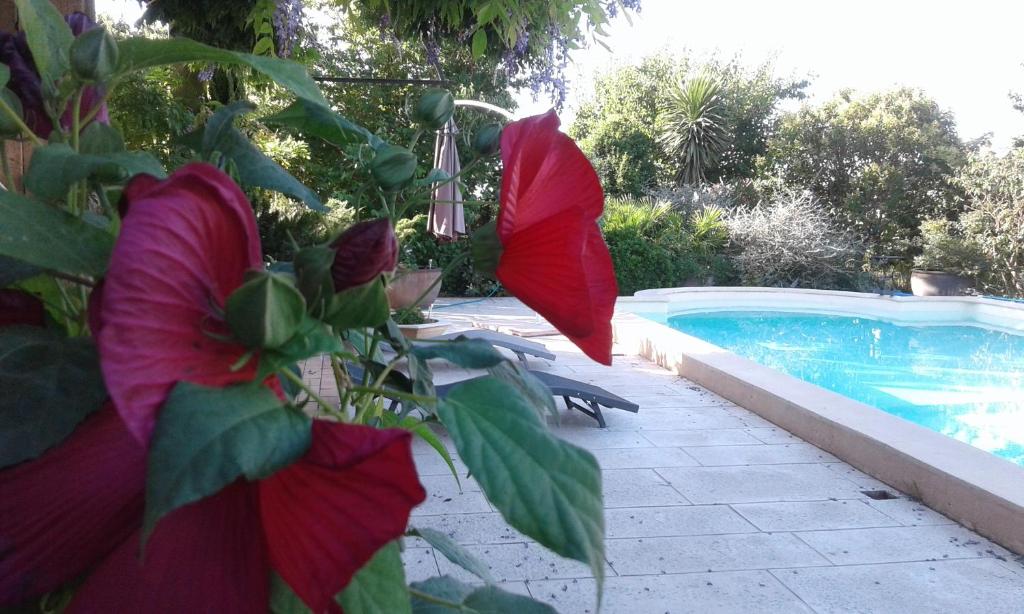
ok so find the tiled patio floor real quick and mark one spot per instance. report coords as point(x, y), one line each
point(710, 508)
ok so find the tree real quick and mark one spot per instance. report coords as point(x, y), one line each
point(692, 127)
point(882, 162)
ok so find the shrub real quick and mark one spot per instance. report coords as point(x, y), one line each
point(793, 242)
point(419, 248)
point(945, 248)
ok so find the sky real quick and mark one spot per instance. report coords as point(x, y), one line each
point(968, 56)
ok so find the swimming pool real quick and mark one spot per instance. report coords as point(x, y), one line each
point(966, 382)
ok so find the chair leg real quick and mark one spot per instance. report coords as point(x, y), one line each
point(594, 410)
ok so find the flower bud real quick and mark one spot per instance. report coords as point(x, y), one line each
point(94, 55)
point(393, 167)
point(313, 272)
point(8, 127)
point(434, 109)
point(265, 311)
point(363, 252)
point(487, 140)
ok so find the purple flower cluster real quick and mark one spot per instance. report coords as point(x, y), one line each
point(287, 17)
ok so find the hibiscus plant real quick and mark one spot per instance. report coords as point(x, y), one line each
point(159, 447)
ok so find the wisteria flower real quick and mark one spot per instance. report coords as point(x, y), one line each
point(185, 244)
point(553, 256)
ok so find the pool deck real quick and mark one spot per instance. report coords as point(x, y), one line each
point(710, 508)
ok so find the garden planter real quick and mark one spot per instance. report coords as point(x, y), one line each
point(938, 283)
point(430, 328)
point(410, 284)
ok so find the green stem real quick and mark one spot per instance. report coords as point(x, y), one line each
point(83, 281)
point(415, 138)
point(38, 142)
point(295, 379)
point(458, 607)
point(394, 394)
point(76, 119)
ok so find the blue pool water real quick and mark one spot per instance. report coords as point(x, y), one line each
point(966, 382)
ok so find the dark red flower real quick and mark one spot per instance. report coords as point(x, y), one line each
point(363, 252)
point(553, 256)
point(184, 246)
point(27, 85)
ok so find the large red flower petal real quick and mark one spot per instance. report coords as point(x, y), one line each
point(184, 247)
point(64, 511)
point(329, 512)
point(602, 290)
point(208, 556)
point(544, 174)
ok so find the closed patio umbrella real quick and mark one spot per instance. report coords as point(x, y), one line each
point(446, 218)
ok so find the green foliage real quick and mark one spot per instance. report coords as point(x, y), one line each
point(693, 128)
point(880, 163)
point(944, 248)
point(419, 248)
point(444, 594)
point(379, 587)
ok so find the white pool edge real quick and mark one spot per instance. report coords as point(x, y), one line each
point(973, 487)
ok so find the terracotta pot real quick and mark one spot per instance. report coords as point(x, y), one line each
point(430, 328)
point(938, 283)
point(409, 284)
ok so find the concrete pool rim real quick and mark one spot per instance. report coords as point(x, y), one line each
point(973, 487)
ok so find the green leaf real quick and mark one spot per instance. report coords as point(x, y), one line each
point(13, 270)
point(546, 488)
point(379, 586)
point(283, 599)
point(49, 39)
point(206, 438)
point(315, 119)
point(50, 238)
point(442, 587)
point(479, 44)
point(313, 338)
point(493, 600)
point(56, 167)
point(141, 53)
point(461, 352)
point(364, 306)
point(454, 552)
point(422, 430)
point(50, 385)
point(221, 122)
point(5, 75)
point(99, 138)
point(536, 392)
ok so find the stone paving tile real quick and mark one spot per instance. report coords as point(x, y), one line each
point(670, 399)
point(974, 586)
point(773, 434)
point(730, 592)
point(595, 438)
point(860, 478)
point(700, 437)
point(638, 488)
point(909, 512)
point(681, 418)
point(813, 515)
point(444, 497)
point(431, 463)
point(419, 564)
point(658, 555)
point(517, 562)
point(480, 528)
point(674, 521)
point(901, 544)
point(643, 458)
point(759, 483)
point(779, 454)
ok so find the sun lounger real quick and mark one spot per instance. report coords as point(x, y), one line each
point(517, 345)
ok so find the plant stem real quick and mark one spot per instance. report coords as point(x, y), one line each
point(295, 379)
point(458, 607)
point(76, 118)
point(84, 281)
point(38, 142)
point(394, 394)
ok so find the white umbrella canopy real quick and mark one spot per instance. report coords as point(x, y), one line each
point(446, 218)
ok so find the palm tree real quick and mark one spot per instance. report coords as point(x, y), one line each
point(692, 126)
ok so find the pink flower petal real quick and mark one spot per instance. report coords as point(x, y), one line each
point(208, 556)
point(184, 247)
point(64, 511)
point(328, 513)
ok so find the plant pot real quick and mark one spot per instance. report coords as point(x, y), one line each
point(410, 284)
point(430, 328)
point(938, 283)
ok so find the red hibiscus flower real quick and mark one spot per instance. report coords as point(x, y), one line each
point(184, 246)
point(553, 256)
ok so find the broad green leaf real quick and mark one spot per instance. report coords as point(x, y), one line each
point(364, 306)
point(479, 44)
point(534, 391)
point(493, 600)
point(49, 38)
point(13, 270)
point(221, 122)
point(99, 138)
point(206, 438)
point(312, 339)
point(50, 384)
point(546, 488)
point(50, 238)
point(5, 75)
point(454, 552)
point(379, 586)
point(461, 351)
point(55, 168)
point(315, 119)
point(445, 588)
point(141, 53)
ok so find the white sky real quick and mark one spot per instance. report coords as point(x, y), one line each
point(966, 55)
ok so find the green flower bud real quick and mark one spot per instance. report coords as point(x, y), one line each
point(94, 55)
point(487, 139)
point(8, 127)
point(434, 109)
point(265, 311)
point(313, 271)
point(393, 167)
